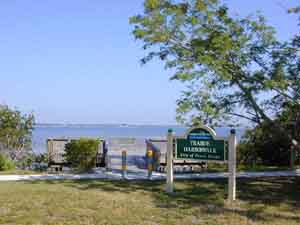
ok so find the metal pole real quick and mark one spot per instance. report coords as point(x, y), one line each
point(232, 167)
point(150, 162)
point(169, 187)
point(124, 164)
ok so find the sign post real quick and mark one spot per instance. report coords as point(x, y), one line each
point(232, 167)
point(169, 187)
point(202, 144)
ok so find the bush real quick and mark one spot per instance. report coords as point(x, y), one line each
point(6, 164)
point(81, 154)
point(265, 145)
point(270, 143)
point(25, 162)
point(41, 158)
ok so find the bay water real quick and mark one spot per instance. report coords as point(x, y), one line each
point(110, 131)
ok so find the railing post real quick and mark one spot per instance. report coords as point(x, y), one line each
point(124, 164)
point(107, 162)
point(232, 167)
point(169, 187)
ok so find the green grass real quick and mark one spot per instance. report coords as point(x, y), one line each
point(261, 201)
point(215, 167)
point(261, 168)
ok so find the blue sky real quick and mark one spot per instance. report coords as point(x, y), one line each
point(76, 61)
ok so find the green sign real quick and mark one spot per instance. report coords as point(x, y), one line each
point(201, 145)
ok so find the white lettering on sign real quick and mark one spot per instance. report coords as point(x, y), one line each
point(199, 143)
point(200, 149)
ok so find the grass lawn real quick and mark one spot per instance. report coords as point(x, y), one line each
point(261, 201)
point(215, 167)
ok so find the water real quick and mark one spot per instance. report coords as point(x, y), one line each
point(140, 132)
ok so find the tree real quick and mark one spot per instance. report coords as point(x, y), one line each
point(15, 132)
point(233, 67)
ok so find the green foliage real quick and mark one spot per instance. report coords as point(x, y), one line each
point(81, 153)
point(25, 162)
point(41, 158)
point(6, 164)
point(227, 62)
point(265, 147)
point(15, 131)
point(271, 143)
point(33, 161)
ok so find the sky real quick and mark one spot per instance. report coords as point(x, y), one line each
point(76, 61)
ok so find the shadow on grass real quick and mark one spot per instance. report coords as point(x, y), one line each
point(270, 191)
point(210, 195)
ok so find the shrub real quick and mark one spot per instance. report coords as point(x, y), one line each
point(270, 143)
point(41, 158)
point(6, 164)
point(265, 145)
point(25, 162)
point(81, 154)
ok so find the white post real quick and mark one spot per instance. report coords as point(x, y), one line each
point(169, 187)
point(232, 167)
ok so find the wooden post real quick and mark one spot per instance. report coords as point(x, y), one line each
point(169, 187)
point(232, 167)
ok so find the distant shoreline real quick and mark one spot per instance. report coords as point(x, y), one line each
point(102, 124)
point(49, 125)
